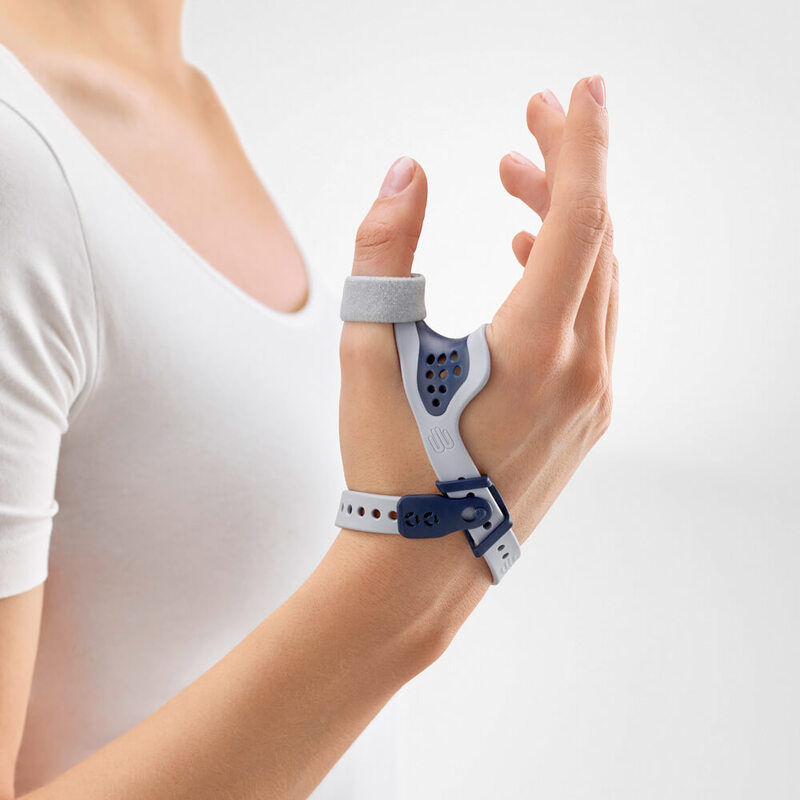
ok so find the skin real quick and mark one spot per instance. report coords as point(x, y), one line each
point(117, 70)
point(272, 717)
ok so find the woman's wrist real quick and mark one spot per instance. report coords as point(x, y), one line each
point(414, 594)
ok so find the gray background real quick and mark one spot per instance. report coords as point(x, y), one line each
point(647, 644)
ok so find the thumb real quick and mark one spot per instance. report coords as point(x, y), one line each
point(388, 236)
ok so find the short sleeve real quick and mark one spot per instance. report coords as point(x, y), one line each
point(48, 342)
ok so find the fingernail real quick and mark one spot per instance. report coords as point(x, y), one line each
point(398, 177)
point(597, 88)
point(551, 100)
point(519, 158)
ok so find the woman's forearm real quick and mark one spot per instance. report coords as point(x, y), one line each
point(274, 715)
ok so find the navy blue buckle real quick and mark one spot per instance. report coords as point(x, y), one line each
point(431, 516)
point(483, 482)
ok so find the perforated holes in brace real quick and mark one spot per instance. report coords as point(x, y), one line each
point(438, 379)
point(500, 550)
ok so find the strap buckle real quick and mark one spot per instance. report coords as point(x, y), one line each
point(482, 482)
point(431, 516)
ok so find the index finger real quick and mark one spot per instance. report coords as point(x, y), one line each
point(567, 246)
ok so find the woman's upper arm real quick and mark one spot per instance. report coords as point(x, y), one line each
point(20, 616)
point(48, 354)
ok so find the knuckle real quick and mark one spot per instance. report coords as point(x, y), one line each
point(588, 218)
point(604, 409)
point(544, 354)
point(551, 353)
point(590, 381)
point(375, 236)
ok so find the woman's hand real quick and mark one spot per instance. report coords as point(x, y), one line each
point(548, 399)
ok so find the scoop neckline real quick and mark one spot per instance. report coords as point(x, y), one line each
point(291, 317)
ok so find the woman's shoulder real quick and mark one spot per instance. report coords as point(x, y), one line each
point(41, 234)
point(46, 282)
point(32, 181)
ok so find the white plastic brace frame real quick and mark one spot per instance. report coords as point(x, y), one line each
point(466, 370)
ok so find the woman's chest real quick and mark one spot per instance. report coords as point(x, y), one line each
point(210, 430)
point(171, 140)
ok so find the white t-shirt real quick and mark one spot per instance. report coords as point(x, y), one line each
point(167, 443)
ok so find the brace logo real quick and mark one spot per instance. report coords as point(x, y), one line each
point(440, 439)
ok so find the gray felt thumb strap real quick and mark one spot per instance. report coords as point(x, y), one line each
point(372, 298)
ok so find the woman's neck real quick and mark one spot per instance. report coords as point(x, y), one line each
point(129, 31)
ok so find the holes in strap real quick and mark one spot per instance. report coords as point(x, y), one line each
point(442, 358)
point(349, 509)
point(376, 512)
point(361, 511)
point(431, 358)
point(454, 355)
point(392, 514)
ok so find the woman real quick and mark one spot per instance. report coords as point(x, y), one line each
point(165, 388)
